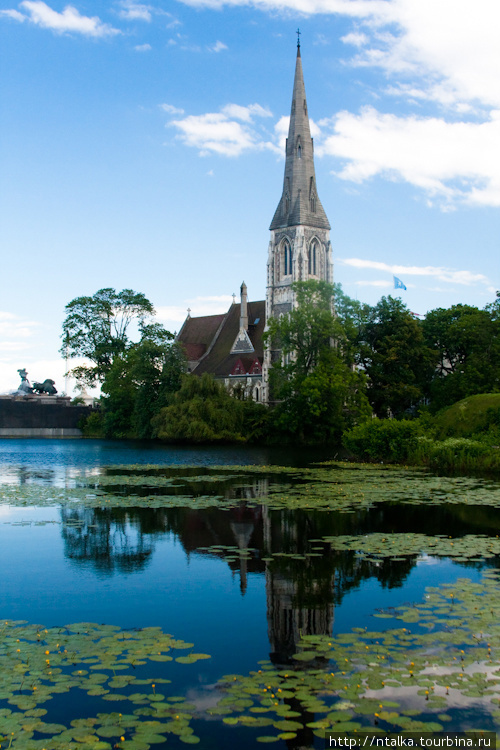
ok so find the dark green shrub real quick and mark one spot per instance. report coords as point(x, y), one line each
point(92, 426)
point(387, 440)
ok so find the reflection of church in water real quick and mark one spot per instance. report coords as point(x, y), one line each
point(230, 346)
point(299, 597)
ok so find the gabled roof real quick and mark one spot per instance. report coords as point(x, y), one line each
point(299, 204)
point(217, 359)
point(198, 333)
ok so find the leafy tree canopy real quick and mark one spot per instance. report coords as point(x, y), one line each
point(203, 411)
point(466, 343)
point(318, 390)
point(96, 328)
point(395, 356)
point(140, 382)
point(305, 331)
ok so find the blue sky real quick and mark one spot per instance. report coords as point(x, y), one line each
point(141, 146)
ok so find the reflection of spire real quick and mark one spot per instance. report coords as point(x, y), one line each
point(242, 533)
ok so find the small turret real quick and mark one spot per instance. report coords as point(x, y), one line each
point(244, 308)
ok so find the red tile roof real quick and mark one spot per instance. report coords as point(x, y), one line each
point(219, 339)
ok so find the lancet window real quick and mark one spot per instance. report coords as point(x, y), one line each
point(313, 258)
point(287, 258)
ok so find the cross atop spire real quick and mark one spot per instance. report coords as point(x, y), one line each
point(298, 38)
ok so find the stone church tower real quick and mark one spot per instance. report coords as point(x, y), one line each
point(299, 247)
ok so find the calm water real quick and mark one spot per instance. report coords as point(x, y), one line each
point(149, 566)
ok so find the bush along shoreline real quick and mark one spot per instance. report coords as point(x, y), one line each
point(465, 437)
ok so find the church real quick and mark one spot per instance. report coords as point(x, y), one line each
point(230, 346)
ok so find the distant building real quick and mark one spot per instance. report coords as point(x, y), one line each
point(230, 346)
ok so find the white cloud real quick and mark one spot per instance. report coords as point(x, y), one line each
point(143, 47)
point(448, 275)
point(12, 346)
point(230, 132)
point(132, 11)
point(14, 14)
point(171, 110)
point(68, 21)
point(356, 38)
point(12, 326)
point(245, 113)
point(457, 161)
point(217, 47)
point(352, 8)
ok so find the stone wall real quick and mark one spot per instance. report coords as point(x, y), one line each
point(39, 417)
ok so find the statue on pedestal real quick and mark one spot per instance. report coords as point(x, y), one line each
point(47, 387)
point(25, 386)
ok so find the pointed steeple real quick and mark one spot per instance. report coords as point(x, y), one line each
point(299, 204)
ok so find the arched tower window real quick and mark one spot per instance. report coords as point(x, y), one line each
point(287, 258)
point(313, 258)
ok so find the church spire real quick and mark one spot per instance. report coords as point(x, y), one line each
point(299, 204)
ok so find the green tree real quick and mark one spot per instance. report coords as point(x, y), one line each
point(352, 316)
point(396, 358)
point(140, 382)
point(308, 329)
point(202, 411)
point(466, 342)
point(96, 328)
point(319, 392)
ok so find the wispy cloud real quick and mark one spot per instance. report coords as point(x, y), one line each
point(448, 275)
point(356, 38)
point(246, 114)
point(14, 14)
point(230, 132)
point(171, 110)
point(143, 47)
point(14, 327)
point(217, 47)
point(132, 11)
point(68, 21)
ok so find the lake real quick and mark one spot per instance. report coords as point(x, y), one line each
point(232, 597)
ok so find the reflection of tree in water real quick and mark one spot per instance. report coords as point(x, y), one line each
point(185, 481)
point(111, 539)
point(25, 475)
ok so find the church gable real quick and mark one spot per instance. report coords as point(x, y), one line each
point(242, 344)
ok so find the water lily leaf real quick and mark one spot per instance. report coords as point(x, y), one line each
point(267, 739)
